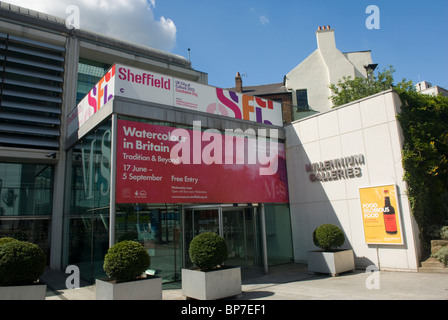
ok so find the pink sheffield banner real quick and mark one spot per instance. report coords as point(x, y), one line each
point(158, 164)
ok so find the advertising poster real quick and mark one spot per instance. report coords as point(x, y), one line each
point(381, 215)
point(209, 168)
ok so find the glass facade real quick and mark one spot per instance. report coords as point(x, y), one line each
point(278, 234)
point(158, 229)
point(26, 202)
point(89, 73)
point(87, 224)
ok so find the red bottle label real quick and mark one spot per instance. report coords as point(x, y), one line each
point(390, 223)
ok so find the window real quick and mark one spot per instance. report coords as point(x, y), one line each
point(26, 202)
point(26, 189)
point(302, 99)
point(89, 73)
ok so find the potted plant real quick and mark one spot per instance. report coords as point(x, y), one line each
point(330, 259)
point(210, 280)
point(125, 264)
point(21, 265)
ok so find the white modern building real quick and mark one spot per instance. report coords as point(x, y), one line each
point(309, 81)
point(333, 158)
point(425, 87)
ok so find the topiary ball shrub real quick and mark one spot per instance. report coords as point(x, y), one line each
point(126, 260)
point(208, 250)
point(6, 240)
point(328, 237)
point(21, 263)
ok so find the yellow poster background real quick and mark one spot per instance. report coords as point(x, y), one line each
point(372, 207)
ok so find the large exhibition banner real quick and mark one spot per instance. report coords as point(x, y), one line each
point(159, 164)
point(147, 86)
point(381, 215)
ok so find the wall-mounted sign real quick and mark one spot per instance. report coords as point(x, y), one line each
point(336, 169)
point(152, 167)
point(381, 214)
point(148, 86)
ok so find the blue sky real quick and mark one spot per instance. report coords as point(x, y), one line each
point(226, 37)
point(265, 39)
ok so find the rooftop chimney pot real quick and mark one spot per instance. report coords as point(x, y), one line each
point(238, 83)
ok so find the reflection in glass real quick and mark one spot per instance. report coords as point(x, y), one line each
point(158, 229)
point(26, 189)
point(87, 239)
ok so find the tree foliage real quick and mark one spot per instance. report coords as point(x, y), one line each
point(424, 121)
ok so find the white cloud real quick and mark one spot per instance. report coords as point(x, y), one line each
point(264, 20)
point(129, 20)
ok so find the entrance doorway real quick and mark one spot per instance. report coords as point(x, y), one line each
point(239, 226)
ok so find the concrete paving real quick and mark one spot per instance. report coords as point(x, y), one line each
point(293, 282)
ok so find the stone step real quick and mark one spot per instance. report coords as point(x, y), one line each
point(433, 265)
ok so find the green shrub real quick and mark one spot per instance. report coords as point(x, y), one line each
point(444, 233)
point(328, 236)
point(6, 240)
point(208, 250)
point(21, 263)
point(442, 255)
point(126, 260)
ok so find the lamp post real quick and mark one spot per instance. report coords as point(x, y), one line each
point(369, 70)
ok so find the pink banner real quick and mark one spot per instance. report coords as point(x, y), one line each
point(158, 164)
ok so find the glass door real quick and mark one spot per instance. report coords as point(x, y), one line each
point(238, 225)
point(241, 231)
point(234, 231)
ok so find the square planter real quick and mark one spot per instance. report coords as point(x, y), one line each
point(149, 288)
point(331, 262)
point(30, 292)
point(211, 285)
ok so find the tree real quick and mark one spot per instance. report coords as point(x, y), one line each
point(424, 120)
point(348, 89)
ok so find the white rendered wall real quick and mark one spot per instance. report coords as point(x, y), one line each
point(325, 66)
point(367, 127)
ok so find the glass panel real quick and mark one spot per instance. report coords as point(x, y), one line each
point(91, 172)
point(87, 237)
point(32, 230)
point(88, 242)
point(158, 230)
point(241, 231)
point(234, 231)
point(89, 73)
point(26, 189)
point(278, 234)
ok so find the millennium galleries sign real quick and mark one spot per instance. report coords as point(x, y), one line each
point(336, 169)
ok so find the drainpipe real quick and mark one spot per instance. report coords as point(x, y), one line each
point(113, 178)
point(263, 239)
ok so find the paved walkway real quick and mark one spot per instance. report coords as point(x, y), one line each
point(292, 282)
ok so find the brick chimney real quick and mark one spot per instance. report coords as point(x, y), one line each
point(238, 83)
